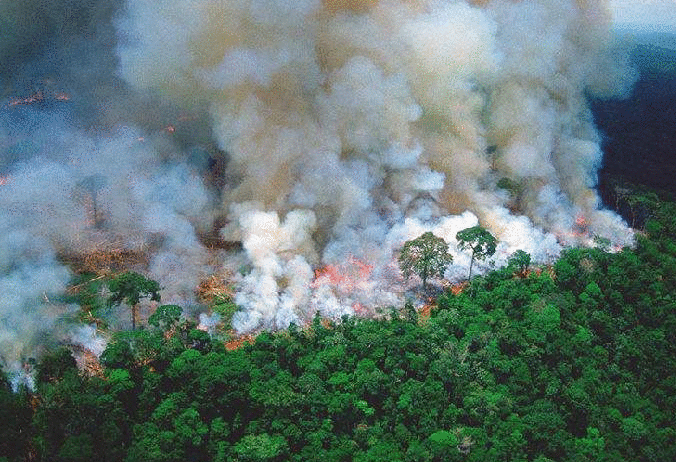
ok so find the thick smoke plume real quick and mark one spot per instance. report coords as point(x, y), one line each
point(319, 134)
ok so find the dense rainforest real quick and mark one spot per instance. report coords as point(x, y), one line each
point(571, 362)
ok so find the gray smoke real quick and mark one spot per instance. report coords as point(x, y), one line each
point(319, 134)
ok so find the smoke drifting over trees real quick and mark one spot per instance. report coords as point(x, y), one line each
point(309, 131)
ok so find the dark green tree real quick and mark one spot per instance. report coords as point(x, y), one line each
point(79, 448)
point(520, 261)
point(15, 415)
point(165, 317)
point(427, 256)
point(118, 354)
point(479, 240)
point(53, 367)
point(130, 287)
point(261, 447)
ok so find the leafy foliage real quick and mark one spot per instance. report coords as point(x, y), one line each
point(479, 240)
point(165, 316)
point(225, 306)
point(56, 365)
point(520, 261)
point(129, 287)
point(15, 415)
point(571, 363)
point(89, 288)
point(427, 256)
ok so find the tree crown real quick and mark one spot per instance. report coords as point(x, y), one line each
point(427, 256)
point(130, 287)
point(477, 239)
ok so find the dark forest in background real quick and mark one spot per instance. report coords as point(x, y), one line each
point(639, 132)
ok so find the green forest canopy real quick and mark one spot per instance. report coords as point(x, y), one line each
point(574, 363)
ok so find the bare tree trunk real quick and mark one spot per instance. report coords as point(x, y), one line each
point(471, 263)
point(469, 279)
point(97, 225)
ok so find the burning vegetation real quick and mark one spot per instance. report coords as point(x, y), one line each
point(215, 172)
point(39, 98)
point(285, 160)
point(103, 262)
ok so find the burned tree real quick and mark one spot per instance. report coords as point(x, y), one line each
point(90, 186)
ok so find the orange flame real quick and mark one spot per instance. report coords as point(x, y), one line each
point(39, 97)
point(581, 226)
point(579, 231)
point(359, 308)
point(457, 289)
point(239, 341)
point(34, 98)
point(347, 275)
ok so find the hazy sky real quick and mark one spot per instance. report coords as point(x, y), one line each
point(653, 15)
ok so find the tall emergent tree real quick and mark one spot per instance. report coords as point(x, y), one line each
point(427, 256)
point(130, 287)
point(479, 240)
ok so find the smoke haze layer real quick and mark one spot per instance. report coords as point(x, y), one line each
point(319, 134)
point(358, 115)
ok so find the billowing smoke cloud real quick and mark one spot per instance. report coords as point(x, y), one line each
point(357, 115)
point(85, 168)
point(72, 194)
point(320, 134)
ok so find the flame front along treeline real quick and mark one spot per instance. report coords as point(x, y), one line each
point(319, 134)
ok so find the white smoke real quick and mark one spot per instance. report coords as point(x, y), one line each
point(369, 112)
point(88, 338)
point(74, 193)
point(209, 322)
point(279, 280)
point(321, 134)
